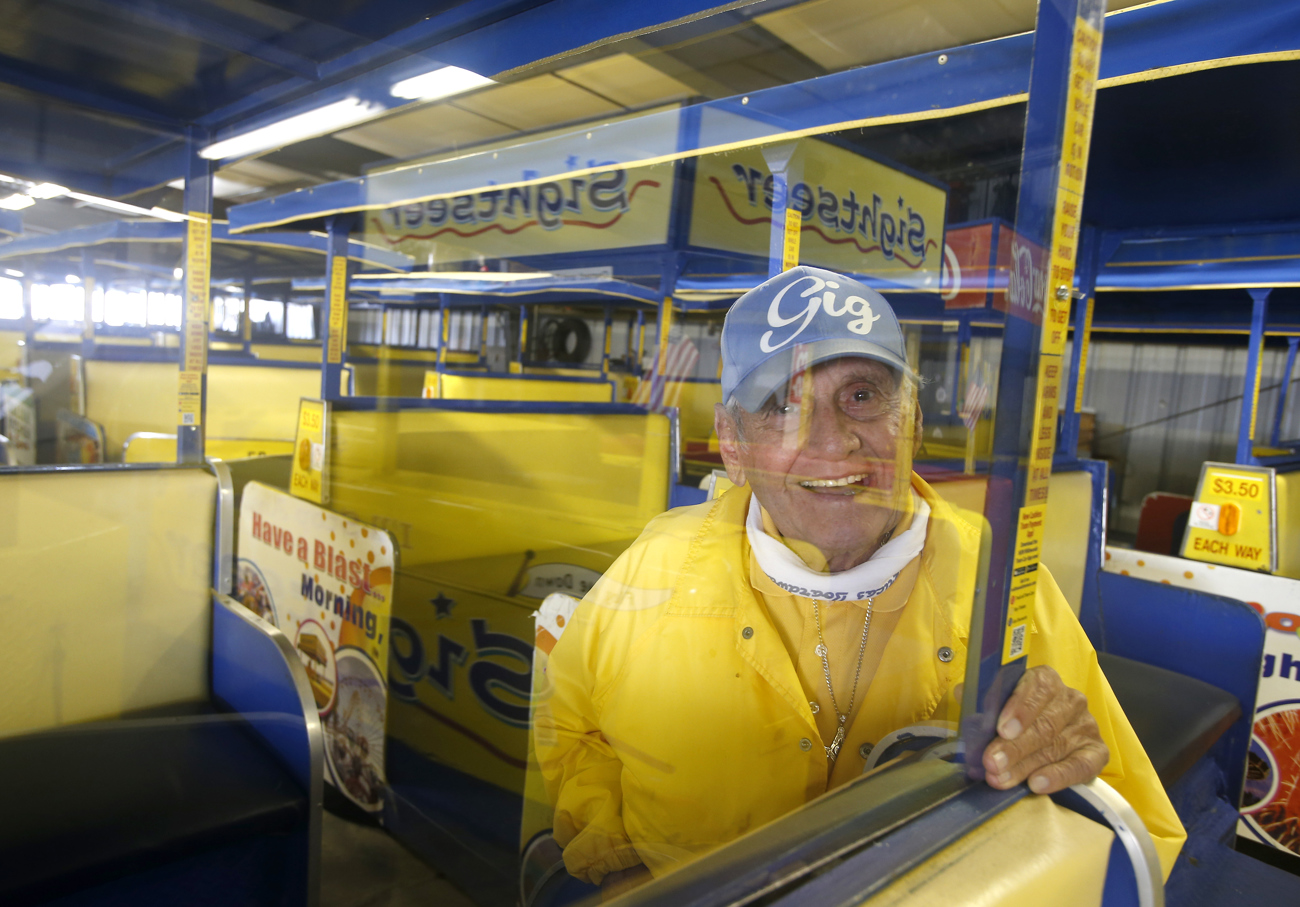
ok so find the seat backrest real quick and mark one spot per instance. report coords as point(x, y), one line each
point(107, 584)
point(1217, 640)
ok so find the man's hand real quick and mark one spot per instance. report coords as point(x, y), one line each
point(1045, 734)
point(622, 881)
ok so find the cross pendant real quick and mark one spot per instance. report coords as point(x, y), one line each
point(833, 751)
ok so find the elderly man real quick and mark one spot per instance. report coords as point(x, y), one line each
point(744, 656)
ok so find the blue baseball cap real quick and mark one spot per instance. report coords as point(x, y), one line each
point(827, 314)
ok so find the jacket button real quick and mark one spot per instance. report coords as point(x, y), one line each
point(805, 744)
point(865, 750)
point(747, 632)
point(945, 654)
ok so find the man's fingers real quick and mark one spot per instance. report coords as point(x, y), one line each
point(1080, 766)
point(1045, 735)
point(1036, 689)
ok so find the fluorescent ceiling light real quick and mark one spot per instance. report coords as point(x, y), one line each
point(46, 190)
point(313, 123)
point(222, 187)
point(17, 202)
point(12, 273)
point(471, 276)
point(72, 278)
point(178, 273)
point(439, 83)
point(7, 179)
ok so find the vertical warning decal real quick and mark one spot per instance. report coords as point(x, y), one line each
point(1058, 289)
point(338, 326)
point(194, 352)
point(790, 249)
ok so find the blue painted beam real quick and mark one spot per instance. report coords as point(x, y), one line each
point(42, 81)
point(214, 27)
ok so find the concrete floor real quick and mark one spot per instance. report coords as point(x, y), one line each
point(362, 866)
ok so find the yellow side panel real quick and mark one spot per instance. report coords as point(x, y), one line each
point(388, 378)
point(1032, 854)
point(1288, 524)
point(695, 399)
point(11, 355)
point(485, 387)
point(243, 401)
point(152, 448)
point(107, 579)
point(1065, 537)
point(454, 485)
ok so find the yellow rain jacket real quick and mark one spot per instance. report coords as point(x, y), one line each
point(673, 720)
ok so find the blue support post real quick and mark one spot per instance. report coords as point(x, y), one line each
point(334, 314)
point(1284, 391)
point(1250, 387)
point(609, 329)
point(197, 303)
point(1058, 126)
point(960, 376)
point(444, 332)
point(1089, 250)
point(246, 317)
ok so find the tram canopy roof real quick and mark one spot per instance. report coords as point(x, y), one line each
point(154, 249)
point(1147, 44)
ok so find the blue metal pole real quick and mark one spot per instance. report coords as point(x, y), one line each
point(196, 303)
point(334, 344)
point(1250, 387)
point(1282, 392)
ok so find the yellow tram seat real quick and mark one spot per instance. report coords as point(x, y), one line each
point(153, 725)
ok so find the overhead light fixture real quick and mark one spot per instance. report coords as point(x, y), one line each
point(164, 214)
point(46, 190)
point(17, 202)
point(439, 83)
point(313, 123)
point(7, 179)
point(72, 278)
point(178, 273)
point(10, 272)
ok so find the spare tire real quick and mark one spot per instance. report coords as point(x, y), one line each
point(565, 340)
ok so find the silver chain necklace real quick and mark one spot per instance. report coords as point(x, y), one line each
point(833, 751)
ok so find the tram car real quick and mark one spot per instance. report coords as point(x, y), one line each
point(320, 577)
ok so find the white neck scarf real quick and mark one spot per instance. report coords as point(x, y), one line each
point(867, 580)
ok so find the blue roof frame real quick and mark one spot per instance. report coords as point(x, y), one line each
point(146, 231)
point(1142, 43)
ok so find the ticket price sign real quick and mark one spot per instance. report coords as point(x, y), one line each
point(1233, 520)
point(310, 448)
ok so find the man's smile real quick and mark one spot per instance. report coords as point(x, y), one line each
point(848, 485)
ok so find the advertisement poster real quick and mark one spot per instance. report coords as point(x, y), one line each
point(326, 582)
point(1270, 807)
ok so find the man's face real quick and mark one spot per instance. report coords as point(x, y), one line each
point(840, 483)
